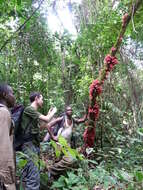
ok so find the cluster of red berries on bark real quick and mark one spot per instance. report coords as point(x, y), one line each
point(96, 89)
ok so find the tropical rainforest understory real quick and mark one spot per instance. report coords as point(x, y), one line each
point(98, 70)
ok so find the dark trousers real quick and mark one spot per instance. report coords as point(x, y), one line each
point(2, 187)
point(30, 173)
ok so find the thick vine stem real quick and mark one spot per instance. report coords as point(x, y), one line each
point(109, 62)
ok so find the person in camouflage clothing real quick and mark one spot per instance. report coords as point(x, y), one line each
point(31, 124)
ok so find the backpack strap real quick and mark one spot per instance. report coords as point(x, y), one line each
point(62, 122)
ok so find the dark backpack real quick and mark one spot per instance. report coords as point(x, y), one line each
point(16, 114)
point(59, 124)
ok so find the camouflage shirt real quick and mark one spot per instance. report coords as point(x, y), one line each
point(30, 124)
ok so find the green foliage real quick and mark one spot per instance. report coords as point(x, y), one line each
point(140, 131)
point(62, 147)
point(44, 179)
point(23, 158)
point(72, 181)
point(62, 68)
point(21, 161)
point(101, 176)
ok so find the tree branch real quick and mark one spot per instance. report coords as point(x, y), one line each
point(20, 27)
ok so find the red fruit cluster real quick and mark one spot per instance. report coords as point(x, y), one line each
point(124, 19)
point(110, 61)
point(94, 111)
point(95, 89)
point(89, 136)
point(113, 49)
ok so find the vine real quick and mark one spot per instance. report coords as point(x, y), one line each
point(97, 85)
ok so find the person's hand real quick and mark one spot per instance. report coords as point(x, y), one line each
point(52, 110)
point(55, 138)
point(85, 117)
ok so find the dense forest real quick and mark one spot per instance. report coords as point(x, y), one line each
point(98, 69)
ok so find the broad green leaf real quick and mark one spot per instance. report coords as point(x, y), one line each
point(63, 141)
point(22, 163)
point(139, 176)
point(57, 151)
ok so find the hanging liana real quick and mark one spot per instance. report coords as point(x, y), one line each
point(96, 87)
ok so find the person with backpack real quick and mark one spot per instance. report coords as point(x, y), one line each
point(30, 130)
point(7, 163)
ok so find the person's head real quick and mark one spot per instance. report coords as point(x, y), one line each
point(37, 98)
point(6, 95)
point(68, 111)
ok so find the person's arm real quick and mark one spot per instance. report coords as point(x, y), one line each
point(51, 124)
point(34, 114)
point(55, 121)
point(51, 134)
point(81, 120)
point(49, 116)
point(43, 124)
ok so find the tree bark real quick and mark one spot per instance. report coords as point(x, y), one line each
point(89, 134)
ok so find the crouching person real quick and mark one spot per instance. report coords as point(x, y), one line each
point(7, 163)
point(31, 144)
point(67, 123)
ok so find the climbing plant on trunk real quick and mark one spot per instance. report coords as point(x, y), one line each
point(96, 87)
